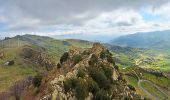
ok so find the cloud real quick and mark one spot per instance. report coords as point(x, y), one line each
point(162, 10)
point(77, 16)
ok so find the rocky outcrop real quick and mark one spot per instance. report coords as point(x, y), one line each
point(37, 57)
point(88, 74)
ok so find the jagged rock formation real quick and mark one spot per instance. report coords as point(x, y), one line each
point(86, 74)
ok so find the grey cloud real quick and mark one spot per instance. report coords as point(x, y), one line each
point(123, 24)
point(52, 12)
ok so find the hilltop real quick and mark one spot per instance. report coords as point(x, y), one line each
point(88, 73)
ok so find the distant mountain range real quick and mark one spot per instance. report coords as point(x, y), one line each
point(88, 37)
point(154, 40)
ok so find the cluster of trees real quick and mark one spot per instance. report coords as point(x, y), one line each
point(99, 81)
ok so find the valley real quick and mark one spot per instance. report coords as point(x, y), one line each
point(33, 55)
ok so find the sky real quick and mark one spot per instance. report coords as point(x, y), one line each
point(91, 17)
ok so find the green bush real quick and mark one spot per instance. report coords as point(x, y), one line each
point(58, 65)
point(92, 86)
point(99, 77)
point(81, 89)
point(86, 52)
point(67, 85)
point(102, 55)
point(76, 58)
point(37, 80)
point(101, 95)
point(70, 84)
point(110, 59)
point(11, 62)
point(64, 57)
point(81, 73)
point(108, 72)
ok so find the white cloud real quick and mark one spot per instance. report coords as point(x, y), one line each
point(115, 17)
point(163, 10)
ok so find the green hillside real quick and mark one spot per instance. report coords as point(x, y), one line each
point(19, 48)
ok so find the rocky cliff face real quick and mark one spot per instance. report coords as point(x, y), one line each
point(86, 74)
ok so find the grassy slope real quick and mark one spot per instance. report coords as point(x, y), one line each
point(18, 71)
point(157, 80)
point(12, 48)
point(153, 90)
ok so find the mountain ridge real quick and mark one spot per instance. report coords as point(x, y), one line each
point(86, 74)
point(152, 40)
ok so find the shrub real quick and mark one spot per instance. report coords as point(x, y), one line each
point(86, 52)
point(80, 86)
point(93, 59)
point(99, 77)
point(110, 59)
point(76, 58)
point(70, 84)
point(37, 80)
point(116, 67)
point(11, 62)
point(58, 65)
point(67, 85)
point(64, 57)
point(131, 87)
point(81, 73)
point(92, 86)
point(102, 55)
point(108, 72)
point(101, 95)
point(81, 89)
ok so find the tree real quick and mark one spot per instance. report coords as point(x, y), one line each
point(64, 57)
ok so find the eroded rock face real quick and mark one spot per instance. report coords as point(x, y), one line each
point(89, 74)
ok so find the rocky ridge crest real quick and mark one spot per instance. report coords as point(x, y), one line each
point(87, 74)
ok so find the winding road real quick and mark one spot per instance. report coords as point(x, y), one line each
point(148, 93)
